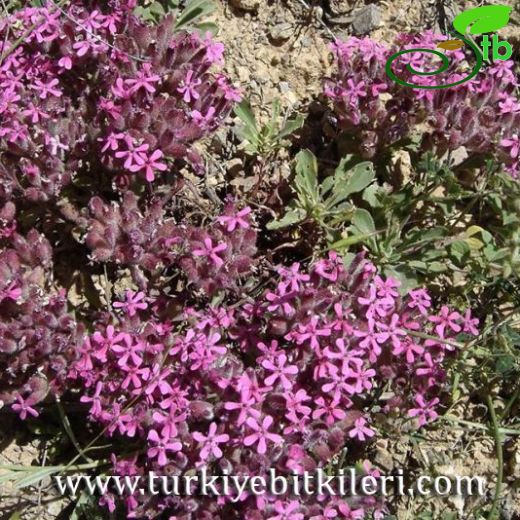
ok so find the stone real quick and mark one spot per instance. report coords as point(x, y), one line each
point(283, 86)
point(366, 19)
point(246, 5)
point(281, 32)
point(338, 7)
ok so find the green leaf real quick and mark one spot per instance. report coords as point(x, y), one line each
point(484, 19)
point(291, 126)
point(349, 241)
point(205, 27)
point(36, 476)
point(459, 249)
point(306, 179)
point(437, 267)
point(16, 516)
point(244, 112)
point(290, 218)
point(194, 10)
point(363, 222)
point(370, 195)
point(349, 181)
point(157, 9)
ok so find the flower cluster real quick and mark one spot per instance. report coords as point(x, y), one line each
point(283, 381)
point(92, 95)
point(213, 257)
point(482, 115)
point(38, 338)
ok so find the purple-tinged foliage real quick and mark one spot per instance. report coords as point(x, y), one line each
point(38, 338)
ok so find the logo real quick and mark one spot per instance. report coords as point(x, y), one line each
point(477, 21)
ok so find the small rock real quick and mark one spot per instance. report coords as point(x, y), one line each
point(306, 42)
point(283, 86)
point(338, 7)
point(246, 5)
point(243, 74)
point(280, 32)
point(366, 19)
point(234, 166)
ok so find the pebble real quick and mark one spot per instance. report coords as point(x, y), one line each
point(246, 5)
point(283, 86)
point(280, 32)
point(366, 19)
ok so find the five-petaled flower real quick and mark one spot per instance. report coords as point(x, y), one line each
point(134, 301)
point(211, 442)
point(261, 434)
point(211, 251)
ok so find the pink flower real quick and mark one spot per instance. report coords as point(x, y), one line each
point(446, 319)
point(421, 300)
point(133, 302)
point(47, 89)
point(12, 291)
point(149, 163)
point(161, 446)
point(261, 434)
point(237, 220)
point(211, 442)
point(24, 407)
point(211, 251)
point(144, 80)
point(293, 276)
point(513, 144)
point(188, 87)
point(425, 410)
point(360, 430)
point(469, 324)
point(246, 407)
point(279, 371)
point(214, 50)
point(287, 511)
point(135, 156)
point(330, 409)
point(204, 121)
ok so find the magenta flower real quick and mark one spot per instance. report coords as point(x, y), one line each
point(261, 434)
point(24, 407)
point(133, 302)
point(446, 319)
point(470, 324)
point(161, 446)
point(287, 511)
point(237, 220)
point(425, 411)
point(135, 156)
point(144, 80)
point(47, 89)
point(246, 408)
point(148, 163)
point(279, 371)
point(513, 144)
point(360, 430)
point(204, 121)
point(188, 87)
point(293, 276)
point(420, 300)
point(211, 442)
point(12, 291)
point(330, 409)
point(210, 251)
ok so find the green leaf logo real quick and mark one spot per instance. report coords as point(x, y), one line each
point(488, 18)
